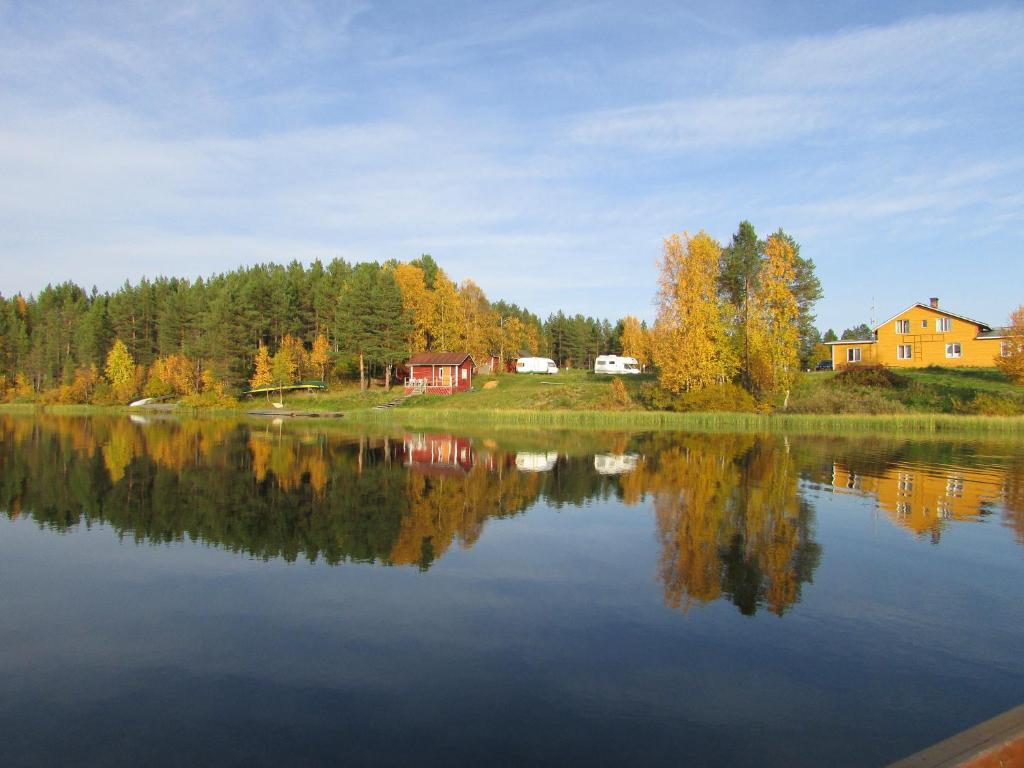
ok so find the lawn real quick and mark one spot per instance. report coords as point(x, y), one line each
point(926, 390)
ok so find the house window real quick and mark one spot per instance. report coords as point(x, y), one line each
point(954, 350)
point(853, 355)
point(902, 326)
point(904, 351)
point(943, 325)
point(924, 323)
point(465, 373)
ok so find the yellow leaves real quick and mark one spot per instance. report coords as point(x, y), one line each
point(689, 343)
point(1010, 359)
point(120, 371)
point(262, 376)
point(416, 300)
point(171, 374)
point(636, 340)
point(773, 326)
point(320, 356)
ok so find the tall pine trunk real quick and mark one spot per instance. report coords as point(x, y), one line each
point(387, 377)
point(362, 374)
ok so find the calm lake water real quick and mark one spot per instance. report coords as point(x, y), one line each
point(214, 592)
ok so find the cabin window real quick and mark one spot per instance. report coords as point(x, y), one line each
point(853, 355)
point(943, 325)
point(904, 351)
point(924, 323)
point(465, 374)
point(954, 350)
point(902, 326)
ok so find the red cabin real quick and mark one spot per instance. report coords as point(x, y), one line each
point(439, 373)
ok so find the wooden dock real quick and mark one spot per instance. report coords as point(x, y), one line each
point(994, 743)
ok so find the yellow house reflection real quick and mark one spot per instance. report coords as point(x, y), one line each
point(924, 501)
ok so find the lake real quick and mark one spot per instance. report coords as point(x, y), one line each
point(256, 593)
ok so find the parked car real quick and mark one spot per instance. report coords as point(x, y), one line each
point(824, 365)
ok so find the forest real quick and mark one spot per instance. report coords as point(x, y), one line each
point(209, 338)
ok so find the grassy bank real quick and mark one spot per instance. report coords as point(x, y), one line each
point(580, 400)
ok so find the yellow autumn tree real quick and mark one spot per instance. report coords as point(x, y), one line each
point(689, 342)
point(635, 341)
point(120, 371)
point(445, 315)
point(416, 301)
point(511, 333)
point(320, 356)
point(298, 355)
point(774, 330)
point(1010, 359)
point(262, 376)
point(477, 320)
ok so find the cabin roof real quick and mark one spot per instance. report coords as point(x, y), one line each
point(439, 358)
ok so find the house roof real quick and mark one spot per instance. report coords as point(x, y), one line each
point(983, 326)
point(852, 341)
point(995, 333)
point(439, 358)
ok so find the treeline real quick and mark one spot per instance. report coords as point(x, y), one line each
point(739, 315)
point(333, 321)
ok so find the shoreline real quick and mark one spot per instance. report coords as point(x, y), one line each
point(914, 423)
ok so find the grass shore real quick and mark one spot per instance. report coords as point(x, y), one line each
point(578, 400)
point(914, 423)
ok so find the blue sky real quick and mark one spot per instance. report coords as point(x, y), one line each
point(543, 149)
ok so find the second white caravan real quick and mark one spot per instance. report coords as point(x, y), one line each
point(616, 364)
point(536, 365)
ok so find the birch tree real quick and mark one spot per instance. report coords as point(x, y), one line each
point(690, 345)
point(774, 326)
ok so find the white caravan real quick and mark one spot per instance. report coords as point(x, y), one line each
point(536, 365)
point(536, 462)
point(616, 463)
point(616, 364)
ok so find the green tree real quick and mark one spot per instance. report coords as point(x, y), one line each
point(860, 332)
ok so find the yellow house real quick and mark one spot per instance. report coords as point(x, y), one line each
point(923, 335)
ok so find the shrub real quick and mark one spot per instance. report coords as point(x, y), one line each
point(870, 376)
point(619, 393)
point(848, 401)
point(724, 397)
point(985, 404)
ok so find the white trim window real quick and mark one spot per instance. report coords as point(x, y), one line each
point(904, 351)
point(853, 355)
point(954, 350)
point(943, 325)
point(902, 326)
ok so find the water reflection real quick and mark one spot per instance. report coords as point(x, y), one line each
point(734, 514)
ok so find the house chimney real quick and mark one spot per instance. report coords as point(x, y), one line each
point(934, 301)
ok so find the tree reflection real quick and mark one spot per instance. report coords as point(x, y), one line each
point(733, 520)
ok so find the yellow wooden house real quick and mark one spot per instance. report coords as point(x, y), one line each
point(922, 335)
